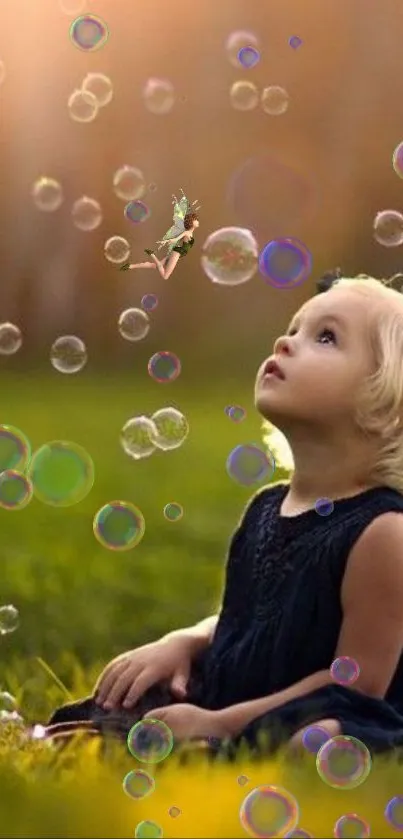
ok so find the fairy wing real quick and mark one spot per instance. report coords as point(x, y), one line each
point(180, 210)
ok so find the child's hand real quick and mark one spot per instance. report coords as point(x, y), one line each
point(188, 722)
point(128, 676)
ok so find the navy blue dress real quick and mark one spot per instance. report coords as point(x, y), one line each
point(280, 622)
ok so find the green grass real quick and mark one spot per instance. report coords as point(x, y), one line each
point(80, 605)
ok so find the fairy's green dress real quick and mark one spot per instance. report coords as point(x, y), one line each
point(185, 247)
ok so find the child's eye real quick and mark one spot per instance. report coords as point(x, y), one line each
point(329, 336)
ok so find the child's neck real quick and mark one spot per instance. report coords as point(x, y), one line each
point(323, 472)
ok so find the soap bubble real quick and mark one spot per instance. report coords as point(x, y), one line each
point(324, 506)
point(47, 194)
point(135, 437)
point(62, 473)
point(236, 41)
point(68, 354)
point(9, 619)
point(388, 228)
point(150, 741)
point(274, 100)
point(149, 302)
point(2, 72)
point(268, 196)
point(295, 42)
point(172, 429)
point(351, 825)
point(137, 212)
point(10, 339)
point(344, 670)
point(236, 413)
point(298, 833)
point(129, 183)
point(15, 490)
point(159, 96)
point(394, 812)
point(148, 830)
point(15, 449)
point(173, 511)
point(242, 780)
point(134, 324)
point(99, 86)
point(89, 33)
point(314, 737)
point(269, 811)
point(164, 366)
point(244, 96)
point(119, 526)
point(82, 106)
point(230, 256)
point(343, 762)
point(86, 213)
point(8, 703)
point(152, 187)
point(248, 57)
point(116, 249)
point(285, 263)
point(174, 812)
point(397, 160)
point(138, 783)
point(249, 464)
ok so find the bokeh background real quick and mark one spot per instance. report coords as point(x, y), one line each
point(319, 172)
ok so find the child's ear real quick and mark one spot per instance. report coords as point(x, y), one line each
point(328, 279)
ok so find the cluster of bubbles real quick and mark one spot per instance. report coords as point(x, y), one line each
point(285, 263)
point(166, 429)
point(149, 741)
point(48, 196)
point(388, 224)
point(85, 102)
point(235, 413)
point(245, 96)
point(248, 464)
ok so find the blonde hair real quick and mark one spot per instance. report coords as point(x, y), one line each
point(380, 398)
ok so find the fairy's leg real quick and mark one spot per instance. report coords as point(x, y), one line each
point(166, 268)
point(142, 265)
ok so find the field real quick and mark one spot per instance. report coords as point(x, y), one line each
point(80, 605)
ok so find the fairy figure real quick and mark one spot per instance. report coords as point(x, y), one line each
point(179, 239)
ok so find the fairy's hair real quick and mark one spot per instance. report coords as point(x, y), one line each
point(190, 217)
point(379, 407)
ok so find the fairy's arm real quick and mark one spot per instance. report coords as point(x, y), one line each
point(174, 240)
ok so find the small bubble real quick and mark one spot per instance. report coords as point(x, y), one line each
point(134, 324)
point(89, 33)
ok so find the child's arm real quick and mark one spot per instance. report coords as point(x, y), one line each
point(372, 628)
point(200, 635)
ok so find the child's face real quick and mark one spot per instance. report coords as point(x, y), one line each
point(324, 358)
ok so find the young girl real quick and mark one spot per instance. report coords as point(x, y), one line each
point(302, 588)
